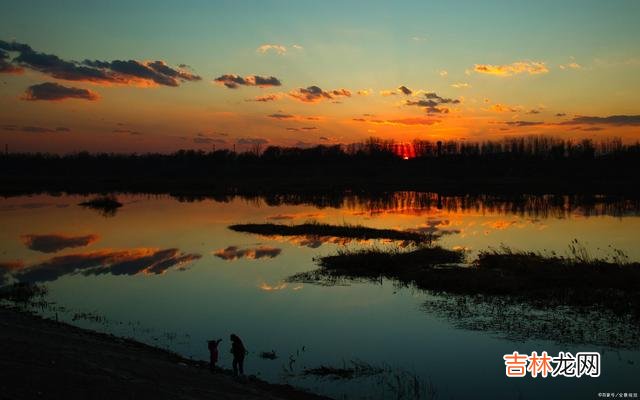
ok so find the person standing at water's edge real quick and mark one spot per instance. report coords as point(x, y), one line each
point(238, 350)
point(213, 353)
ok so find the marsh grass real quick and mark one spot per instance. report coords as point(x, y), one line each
point(107, 205)
point(383, 380)
point(23, 293)
point(268, 355)
point(575, 297)
point(312, 228)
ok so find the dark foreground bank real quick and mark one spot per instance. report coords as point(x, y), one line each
point(43, 359)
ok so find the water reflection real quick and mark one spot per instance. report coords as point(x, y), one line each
point(234, 253)
point(52, 243)
point(418, 203)
point(335, 322)
point(115, 262)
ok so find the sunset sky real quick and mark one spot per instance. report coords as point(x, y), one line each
point(142, 76)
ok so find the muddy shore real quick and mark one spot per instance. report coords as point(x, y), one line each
point(44, 359)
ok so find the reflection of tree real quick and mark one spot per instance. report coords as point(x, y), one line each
point(524, 205)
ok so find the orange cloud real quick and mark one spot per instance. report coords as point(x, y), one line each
point(498, 107)
point(519, 67)
point(266, 98)
point(314, 94)
point(571, 65)
point(276, 48)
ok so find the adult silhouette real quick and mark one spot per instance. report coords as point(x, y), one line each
point(238, 350)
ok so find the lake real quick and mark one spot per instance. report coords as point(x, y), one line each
point(166, 271)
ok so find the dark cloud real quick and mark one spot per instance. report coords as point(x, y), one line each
point(234, 253)
point(401, 121)
point(233, 81)
point(560, 114)
point(149, 72)
point(115, 262)
point(266, 98)
point(533, 112)
point(5, 65)
point(127, 72)
point(524, 123)
point(280, 116)
point(304, 128)
point(432, 103)
point(202, 138)
point(34, 129)
point(405, 90)
point(56, 242)
point(129, 131)
point(55, 92)
point(313, 94)
point(252, 141)
point(613, 120)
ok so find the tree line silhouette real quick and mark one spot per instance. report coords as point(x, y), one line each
point(529, 161)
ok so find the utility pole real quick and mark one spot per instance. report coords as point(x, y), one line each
point(6, 149)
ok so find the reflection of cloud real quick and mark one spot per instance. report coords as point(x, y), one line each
point(264, 286)
point(56, 242)
point(315, 241)
point(501, 225)
point(115, 262)
point(278, 217)
point(234, 253)
point(435, 227)
point(272, 288)
point(11, 265)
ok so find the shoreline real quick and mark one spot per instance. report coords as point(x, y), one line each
point(42, 358)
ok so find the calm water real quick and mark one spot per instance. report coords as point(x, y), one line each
point(170, 273)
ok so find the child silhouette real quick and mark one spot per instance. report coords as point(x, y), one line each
point(213, 353)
